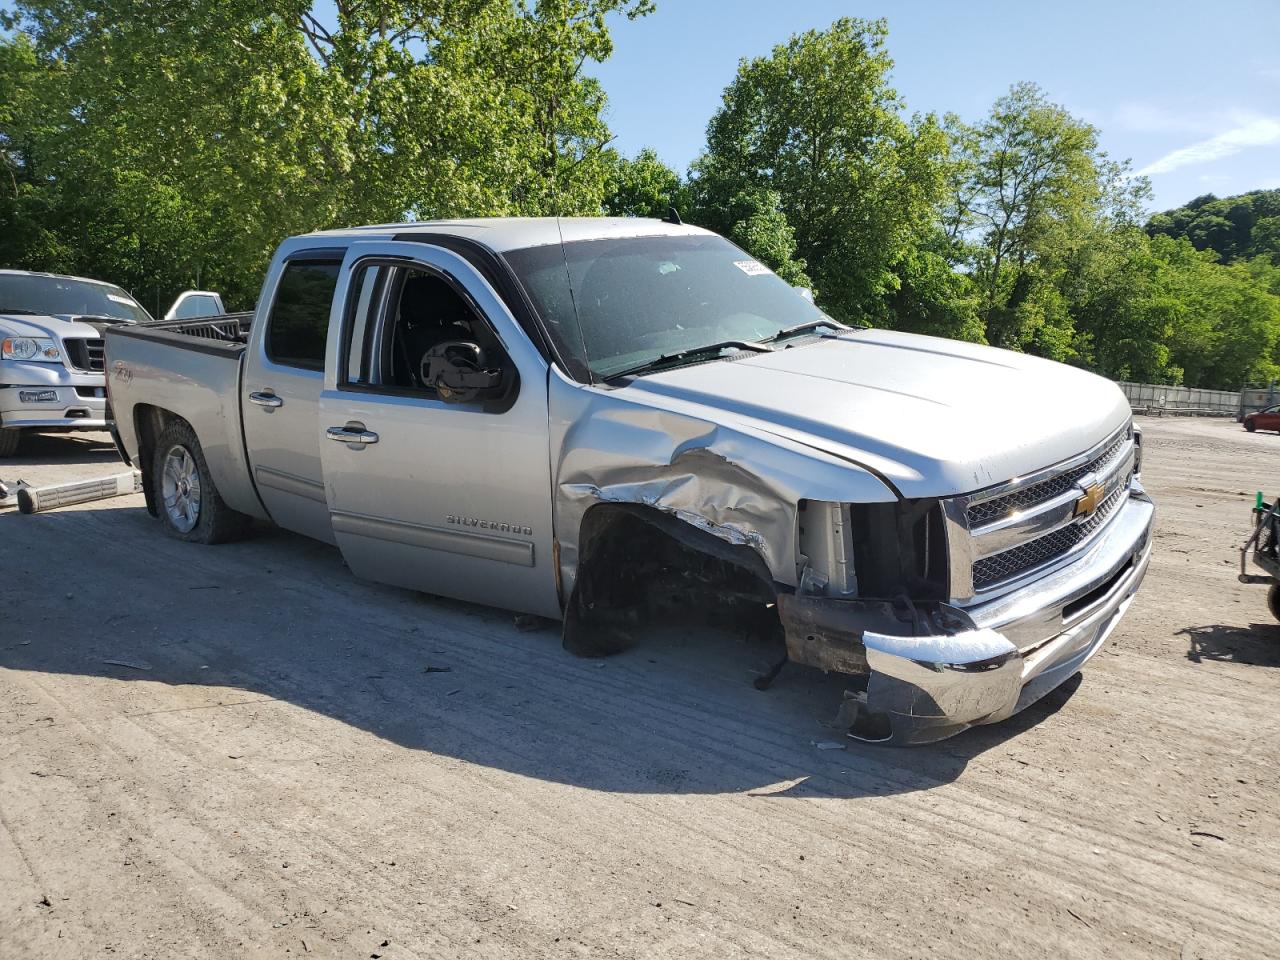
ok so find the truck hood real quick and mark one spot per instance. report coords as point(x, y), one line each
point(55, 327)
point(933, 417)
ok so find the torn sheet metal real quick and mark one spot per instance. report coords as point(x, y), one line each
point(740, 484)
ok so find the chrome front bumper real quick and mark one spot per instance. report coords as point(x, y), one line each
point(940, 669)
point(78, 399)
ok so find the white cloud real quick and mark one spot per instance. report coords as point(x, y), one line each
point(1250, 130)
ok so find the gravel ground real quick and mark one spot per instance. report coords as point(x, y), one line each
point(243, 751)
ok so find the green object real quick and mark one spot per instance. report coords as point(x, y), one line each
point(1258, 503)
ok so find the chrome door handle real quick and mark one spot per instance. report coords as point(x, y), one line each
point(268, 400)
point(351, 434)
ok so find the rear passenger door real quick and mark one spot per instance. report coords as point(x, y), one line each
point(280, 394)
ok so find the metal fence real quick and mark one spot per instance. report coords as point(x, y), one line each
point(1258, 397)
point(1158, 399)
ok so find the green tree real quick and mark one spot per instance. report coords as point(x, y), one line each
point(640, 186)
point(1037, 188)
point(817, 124)
point(205, 132)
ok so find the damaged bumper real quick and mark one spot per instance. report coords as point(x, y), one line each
point(934, 670)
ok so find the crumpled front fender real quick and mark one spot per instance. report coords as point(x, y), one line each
point(737, 482)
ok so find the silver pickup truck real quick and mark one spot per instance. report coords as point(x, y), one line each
point(582, 418)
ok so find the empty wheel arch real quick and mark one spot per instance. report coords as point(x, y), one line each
point(637, 563)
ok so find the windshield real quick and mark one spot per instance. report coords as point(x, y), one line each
point(25, 293)
point(614, 305)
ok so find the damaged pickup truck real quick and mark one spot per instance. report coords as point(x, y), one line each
point(569, 417)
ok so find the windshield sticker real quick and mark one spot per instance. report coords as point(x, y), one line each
point(752, 268)
point(119, 299)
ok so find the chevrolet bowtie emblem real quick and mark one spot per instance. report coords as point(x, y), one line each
point(1088, 503)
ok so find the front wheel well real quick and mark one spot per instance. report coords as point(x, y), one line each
point(637, 562)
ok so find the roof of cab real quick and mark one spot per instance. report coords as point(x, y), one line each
point(501, 234)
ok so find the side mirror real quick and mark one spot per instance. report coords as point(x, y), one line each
point(805, 292)
point(459, 372)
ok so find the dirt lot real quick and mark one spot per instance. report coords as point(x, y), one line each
point(243, 751)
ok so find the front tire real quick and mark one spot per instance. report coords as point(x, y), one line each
point(1250, 426)
point(9, 439)
point(187, 500)
point(1273, 600)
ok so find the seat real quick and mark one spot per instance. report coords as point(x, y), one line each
point(430, 312)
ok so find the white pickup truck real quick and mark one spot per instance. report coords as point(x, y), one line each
point(577, 418)
point(51, 366)
point(51, 351)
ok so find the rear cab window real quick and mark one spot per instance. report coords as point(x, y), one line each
point(197, 306)
point(298, 325)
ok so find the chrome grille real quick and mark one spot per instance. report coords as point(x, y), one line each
point(997, 508)
point(1011, 563)
point(85, 353)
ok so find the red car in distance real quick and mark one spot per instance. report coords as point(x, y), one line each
point(1267, 419)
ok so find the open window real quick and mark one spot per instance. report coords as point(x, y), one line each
point(415, 331)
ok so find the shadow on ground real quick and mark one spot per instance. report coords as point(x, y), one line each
point(279, 617)
point(1256, 645)
point(47, 449)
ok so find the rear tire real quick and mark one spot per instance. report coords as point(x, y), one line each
point(9, 440)
point(187, 501)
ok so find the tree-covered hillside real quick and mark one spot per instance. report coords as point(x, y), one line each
point(1237, 228)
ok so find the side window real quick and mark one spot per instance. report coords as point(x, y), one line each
point(424, 312)
point(399, 315)
point(299, 320)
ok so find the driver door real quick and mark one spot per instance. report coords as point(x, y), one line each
point(451, 498)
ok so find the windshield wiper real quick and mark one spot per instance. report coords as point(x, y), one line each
point(803, 327)
point(33, 313)
point(693, 353)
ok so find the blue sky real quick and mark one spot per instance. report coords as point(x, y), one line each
point(1190, 92)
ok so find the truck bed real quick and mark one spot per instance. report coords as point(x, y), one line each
point(189, 369)
point(223, 328)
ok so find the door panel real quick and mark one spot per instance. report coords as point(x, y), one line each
point(439, 497)
point(280, 397)
point(284, 450)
